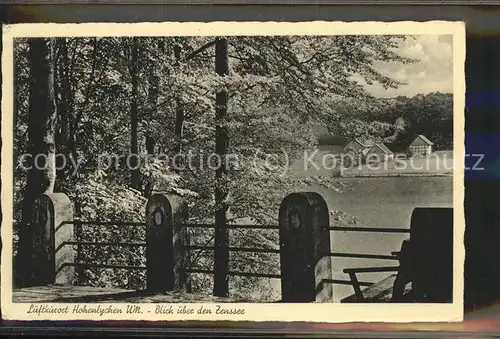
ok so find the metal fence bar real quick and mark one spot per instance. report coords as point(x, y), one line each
point(237, 273)
point(370, 229)
point(372, 269)
point(90, 243)
point(361, 256)
point(250, 274)
point(127, 223)
point(107, 223)
point(331, 254)
point(197, 270)
point(253, 250)
point(346, 282)
point(199, 225)
point(229, 227)
point(90, 265)
point(238, 226)
point(235, 249)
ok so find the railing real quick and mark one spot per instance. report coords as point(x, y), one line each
point(304, 238)
point(367, 229)
point(233, 227)
point(354, 282)
point(351, 271)
point(81, 264)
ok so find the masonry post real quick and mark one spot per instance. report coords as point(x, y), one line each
point(304, 242)
point(166, 238)
point(53, 226)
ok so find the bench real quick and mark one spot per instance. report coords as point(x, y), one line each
point(382, 291)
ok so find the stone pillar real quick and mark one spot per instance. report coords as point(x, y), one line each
point(304, 241)
point(165, 243)
point(53, 226)
point(431, 237)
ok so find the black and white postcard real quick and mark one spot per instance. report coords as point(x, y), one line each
point(233, 171)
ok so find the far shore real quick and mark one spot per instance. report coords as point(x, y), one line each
point(388, 175)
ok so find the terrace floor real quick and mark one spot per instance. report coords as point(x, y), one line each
point(86, 294)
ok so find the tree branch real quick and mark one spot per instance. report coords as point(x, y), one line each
point(199, 50)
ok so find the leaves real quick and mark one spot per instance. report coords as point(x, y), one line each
point(278, 88)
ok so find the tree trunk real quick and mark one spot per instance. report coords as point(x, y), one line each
point(41, 146)
point(64, 102)
point(221, 258)
point(179, 128)
point(134, 73)
point(179, 119)
point(154, 81)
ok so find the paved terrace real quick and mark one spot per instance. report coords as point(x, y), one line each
point(86, 294)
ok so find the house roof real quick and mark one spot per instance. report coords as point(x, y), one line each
point(383, 148)
point(369, 143)
point(356, 141)
point(424, 139)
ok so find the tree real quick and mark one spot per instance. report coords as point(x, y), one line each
point(159, 95)
point(65, 136)
point(221, 256)
point(134, 75)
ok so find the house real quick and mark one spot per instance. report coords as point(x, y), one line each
point(421, 145)
point(379, 152)
point(356, 145)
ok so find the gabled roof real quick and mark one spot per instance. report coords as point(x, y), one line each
point(356, 141)
point(424, 139)
point(383, 148)
point(369, 143)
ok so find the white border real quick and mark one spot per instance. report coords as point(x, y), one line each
point(313, 312)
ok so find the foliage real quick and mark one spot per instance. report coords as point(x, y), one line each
point(397, 121)
point(277, 86)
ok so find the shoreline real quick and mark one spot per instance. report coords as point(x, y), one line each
point(394, 175)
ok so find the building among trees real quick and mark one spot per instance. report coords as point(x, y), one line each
point(421, 145)
point(163, 99)
point(357, 145)
point(379, 152)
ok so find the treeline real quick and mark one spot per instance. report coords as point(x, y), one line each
point(397, 121)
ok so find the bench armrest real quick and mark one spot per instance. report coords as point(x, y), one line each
point(372, 269)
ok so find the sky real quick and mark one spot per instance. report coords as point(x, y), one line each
point(432, 73)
